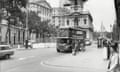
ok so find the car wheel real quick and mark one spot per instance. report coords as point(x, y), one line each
point(7, 56)
point(58, 50)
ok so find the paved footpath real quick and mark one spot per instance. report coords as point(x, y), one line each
point(89, 61)
point(36, 45)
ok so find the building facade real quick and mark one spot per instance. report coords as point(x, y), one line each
point(57, 14)
point(84, 22)
point(18, 34)
point(74, 17)
point(12, 34)
point(42, 8)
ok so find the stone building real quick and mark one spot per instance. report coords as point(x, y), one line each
point(57, 14)
point(14, 35)
point(74, 16)
point(42, 8)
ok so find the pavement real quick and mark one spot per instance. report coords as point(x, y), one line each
point(37, 45)
point(89, 61)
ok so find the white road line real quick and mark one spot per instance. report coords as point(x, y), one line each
point(26, 58)
point(21, 58)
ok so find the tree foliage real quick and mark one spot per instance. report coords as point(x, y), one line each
point(96, 35)
point(34, 21)
point(40, 27)
point(13, 7)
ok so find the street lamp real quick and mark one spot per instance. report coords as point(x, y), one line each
point(27, 14)
point(27, 20)
point(14, 35)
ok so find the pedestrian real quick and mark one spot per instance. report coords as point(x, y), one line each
point(79, 45)
point(75, 49)
point(99, 42)
point(105, 49)
point(30, 44)
point(82, 45)
point(26, 44)
point(108, 50)
point(113, 65)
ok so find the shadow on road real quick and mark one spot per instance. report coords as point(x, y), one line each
point(5, 59)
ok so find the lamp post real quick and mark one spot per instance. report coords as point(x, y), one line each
point(14, 35)
point(27, 14)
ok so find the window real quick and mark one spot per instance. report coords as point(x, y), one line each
point(59, 21)
point(67, 22)
point(85, 21)
point(0, 29)
point(0, 38)
point(53, 20)
point(62, 24)
point(76, 21)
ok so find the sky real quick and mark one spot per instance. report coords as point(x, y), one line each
point(102, 11)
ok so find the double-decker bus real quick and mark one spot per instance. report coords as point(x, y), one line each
point(66, 37)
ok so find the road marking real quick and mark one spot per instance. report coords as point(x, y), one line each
point(21, 58)
point(26, 58)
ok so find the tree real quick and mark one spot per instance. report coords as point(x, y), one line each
point(52, 30)
point(13, 7)
point(42, 28)
point(12, 12)
point(96, 35)
point(34, 22)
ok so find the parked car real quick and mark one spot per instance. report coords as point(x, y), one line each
point(6, 51)
point(88, 42)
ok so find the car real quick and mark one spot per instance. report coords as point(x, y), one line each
point(6, 51)
point(88, 42)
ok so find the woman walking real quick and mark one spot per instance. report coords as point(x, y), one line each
point(105, 49)
point(113, 65)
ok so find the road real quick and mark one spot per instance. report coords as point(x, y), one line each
point(33, 60)
point(29, 60)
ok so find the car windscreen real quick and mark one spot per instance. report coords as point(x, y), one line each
point(68, 41)
point(62, 40)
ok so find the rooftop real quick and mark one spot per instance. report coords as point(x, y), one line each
point(74, 0)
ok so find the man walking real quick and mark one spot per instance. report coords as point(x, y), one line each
point(106, 49)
